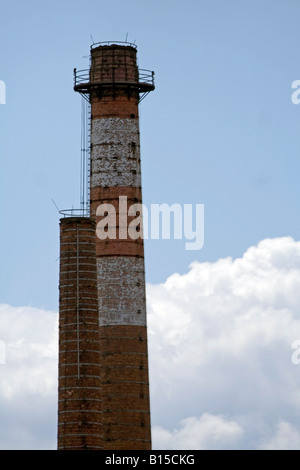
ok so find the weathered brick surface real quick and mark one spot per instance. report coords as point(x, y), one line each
point(125, 387)
point(79, 388)
point(115, 172)
point(116, 68)
point(103, 358)
point(121, 288)
point(112, 63)
point(120, 246)
point(115, 152)
point(118, 106)
point(133, 248)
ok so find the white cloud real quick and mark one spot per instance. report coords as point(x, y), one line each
point(220, 351)
point(286, 437)
point(28, 378)
point(221, 340)
point(206, 433)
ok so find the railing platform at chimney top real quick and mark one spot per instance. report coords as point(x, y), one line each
point(83, 82)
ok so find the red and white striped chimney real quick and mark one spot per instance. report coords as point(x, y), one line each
point(114, 87)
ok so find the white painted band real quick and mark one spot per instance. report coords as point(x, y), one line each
point(115, 152)
point(121, 289)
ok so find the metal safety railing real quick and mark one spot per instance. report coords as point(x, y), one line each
point(112, 43)
point(83, 77)
point(83, 212)
point(146, 76)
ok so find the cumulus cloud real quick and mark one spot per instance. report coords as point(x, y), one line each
point(220, 342)
point(220, 352)
point(207, 432)
point(286, 437)
point(28, 378)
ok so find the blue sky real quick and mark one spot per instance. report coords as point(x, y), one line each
point(220, 128)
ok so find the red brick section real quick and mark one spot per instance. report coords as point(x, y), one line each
point(115, 68)
point(125, 387)
point(80, 405)
point(120, 106)
point(110, 195)
point(124, 354)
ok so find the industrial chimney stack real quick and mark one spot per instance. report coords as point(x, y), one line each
point(120, 402)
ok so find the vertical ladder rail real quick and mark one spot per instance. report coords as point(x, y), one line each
point(88, 159)
point(85, 157)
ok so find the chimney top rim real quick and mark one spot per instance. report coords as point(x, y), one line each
point(113, 44)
